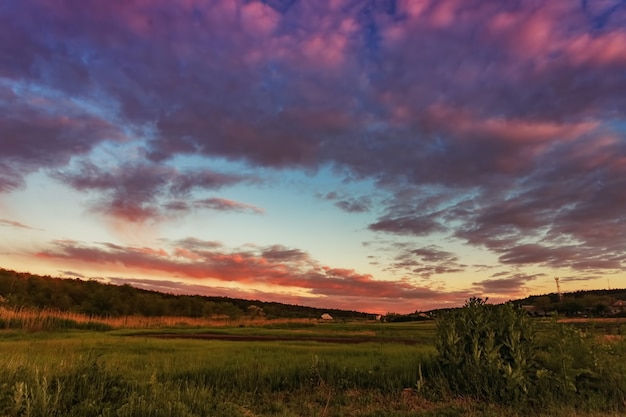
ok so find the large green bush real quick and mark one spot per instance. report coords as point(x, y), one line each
point(493, 353)
point(487, 351)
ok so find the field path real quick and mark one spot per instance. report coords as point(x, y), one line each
point(265, 338)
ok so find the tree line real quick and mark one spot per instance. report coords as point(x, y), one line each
point(583, 303)
point(25, 290)
point(597, 303)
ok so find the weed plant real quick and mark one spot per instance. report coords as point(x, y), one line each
point(580, 368)
point(486, 351)
point(493, 353)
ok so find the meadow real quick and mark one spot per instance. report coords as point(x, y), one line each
point(80, 366)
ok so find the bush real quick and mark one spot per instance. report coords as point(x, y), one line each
point(492, 353)
point(487, 352)
point(581, 369)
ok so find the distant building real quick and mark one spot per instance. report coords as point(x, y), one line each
point(534, 311)
point(326, 316)
point(618, 307)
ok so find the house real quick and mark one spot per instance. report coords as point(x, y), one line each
point(531, 310)
point(618, 307)
point(326, 316)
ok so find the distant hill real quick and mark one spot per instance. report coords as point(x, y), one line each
point(589, 303)
point(614, 294)
point(21, 289)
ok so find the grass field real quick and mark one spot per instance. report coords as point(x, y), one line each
point(128, 372)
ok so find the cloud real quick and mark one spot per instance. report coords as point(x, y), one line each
point(274, 67)
point(221, 204)
point(279, 253)
point(411, 261)
point(571, 215)
point(510, 139)
point(426, 261)
point(511, 286)
point(284, 269)
point(408, 225)
point(360, 204)
point(72, 274)
point(578, 278)
point(40, 130)
point(12, 223)
point(133, 192)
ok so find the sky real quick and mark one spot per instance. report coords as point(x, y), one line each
point(373, 155)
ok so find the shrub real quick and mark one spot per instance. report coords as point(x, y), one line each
point(493, 353)
point(487, 351)
point(581, 369)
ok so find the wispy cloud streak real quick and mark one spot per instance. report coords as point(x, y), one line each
point(13, 223)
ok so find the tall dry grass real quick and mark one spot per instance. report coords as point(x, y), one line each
point(49, 319)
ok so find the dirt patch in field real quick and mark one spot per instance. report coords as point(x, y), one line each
point(260, 338)
point(593, 320)
point(611, 338)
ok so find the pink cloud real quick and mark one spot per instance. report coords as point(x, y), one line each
point(325, 50)
point(277, 267)
point(443, 13)
point(259, 19)
point(602, 50)
point(413, 8)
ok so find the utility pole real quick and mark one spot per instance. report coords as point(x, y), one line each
point(558, 289)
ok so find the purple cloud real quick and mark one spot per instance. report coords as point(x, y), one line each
point(426, 261)
point(132, 191)
point(408, 225)
point(349, 204)
point(39, 131)
point(513, 285)
point(499, 124)
point(221, 204)
point(361, 205)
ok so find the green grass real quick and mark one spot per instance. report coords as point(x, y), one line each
point(106, 374)
point(419, 332)
point(93, 373)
